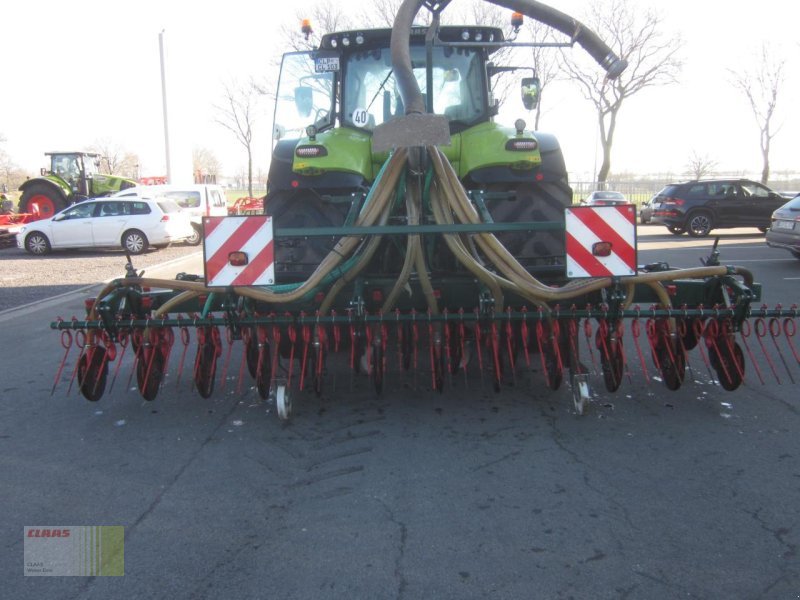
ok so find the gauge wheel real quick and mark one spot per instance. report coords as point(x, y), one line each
point(580, 392)
point(676, 229)
point(37, 243)
point(283, 403)
point(134, 241)
point(699, 224)
point(92, 373)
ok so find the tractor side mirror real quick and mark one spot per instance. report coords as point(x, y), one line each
point(530, 87)
point(303, 100)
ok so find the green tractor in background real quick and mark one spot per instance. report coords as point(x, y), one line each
point(72, 177)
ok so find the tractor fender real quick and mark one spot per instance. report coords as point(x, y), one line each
point(283, 177)
point(551, 169)
point(51, 181)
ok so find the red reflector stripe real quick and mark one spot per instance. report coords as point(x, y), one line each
point(585, 258)
point(605, 232)
point(259, 263)
point(217, 262)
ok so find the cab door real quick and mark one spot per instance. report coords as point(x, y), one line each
point(73, 228)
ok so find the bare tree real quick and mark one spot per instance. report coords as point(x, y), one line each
point(237, 114)
point(761, 84)
point(699, 165)
point(634, 34)
point(115, 160)
point(205, 163)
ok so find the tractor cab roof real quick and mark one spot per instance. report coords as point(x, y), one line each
point(359, 39)
point(79, 152)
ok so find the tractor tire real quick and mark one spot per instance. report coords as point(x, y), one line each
point(43, 200)
point(699, 224)
point(296, 258)
point(37, 243)
point(535, 202)
point(134, 241)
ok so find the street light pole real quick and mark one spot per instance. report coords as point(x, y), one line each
point(164, 102)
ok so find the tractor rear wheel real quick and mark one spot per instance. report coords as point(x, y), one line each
point(544, 201)
point(296, 259)
point(43, 200)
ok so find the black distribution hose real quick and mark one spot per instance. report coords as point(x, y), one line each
point(401, 51)
point(401, 57)
point(567, 25)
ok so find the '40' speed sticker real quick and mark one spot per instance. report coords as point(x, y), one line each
point(360, 117)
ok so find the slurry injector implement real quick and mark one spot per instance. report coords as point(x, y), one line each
point(404, 230)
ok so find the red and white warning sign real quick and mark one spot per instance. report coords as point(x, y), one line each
point(238, 250)
point(601, 241)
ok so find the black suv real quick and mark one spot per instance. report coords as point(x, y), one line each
point(699, 206)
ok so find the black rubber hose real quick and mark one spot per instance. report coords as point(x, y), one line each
point(401, 51)
point(591, 42)
point(401, 57)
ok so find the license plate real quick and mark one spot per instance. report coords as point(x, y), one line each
point(784, 224)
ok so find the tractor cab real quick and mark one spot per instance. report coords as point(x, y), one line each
point(75, 168)
point(358, 65)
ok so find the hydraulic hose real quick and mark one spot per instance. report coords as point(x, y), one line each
point(588, 39)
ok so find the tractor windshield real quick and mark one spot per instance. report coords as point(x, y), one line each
point(305, 97)
point(91, 164)
point(371, 96)
point(66, 166)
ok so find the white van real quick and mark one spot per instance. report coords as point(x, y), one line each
point(199, 200)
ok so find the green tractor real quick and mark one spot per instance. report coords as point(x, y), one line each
point(335, 102)
point(73, 176)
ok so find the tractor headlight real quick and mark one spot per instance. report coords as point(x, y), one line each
point(309, 151)
point(522, 145)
